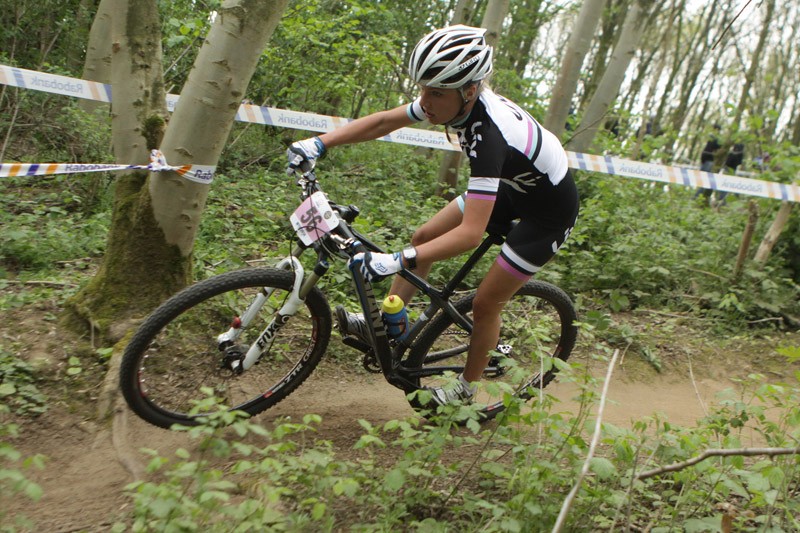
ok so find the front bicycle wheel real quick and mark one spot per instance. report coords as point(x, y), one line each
point(174, 361)
point(537, 326)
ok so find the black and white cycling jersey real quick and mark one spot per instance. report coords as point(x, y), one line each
point(504, 143)
point(522, 167)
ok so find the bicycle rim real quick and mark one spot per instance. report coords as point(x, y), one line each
point(173, 364)
point(537, 326)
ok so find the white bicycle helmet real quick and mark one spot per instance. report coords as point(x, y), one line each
point(451, 57)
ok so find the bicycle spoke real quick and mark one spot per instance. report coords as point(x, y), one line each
point(532, 333)
point(179, 363)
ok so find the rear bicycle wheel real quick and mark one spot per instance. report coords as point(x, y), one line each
point(174, 359)
point(537, 326)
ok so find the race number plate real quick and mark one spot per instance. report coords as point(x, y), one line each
point(314, 218)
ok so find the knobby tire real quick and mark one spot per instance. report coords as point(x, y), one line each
point(173, 361)
point(538, 322)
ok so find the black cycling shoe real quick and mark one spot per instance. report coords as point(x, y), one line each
point(449, 395)
point(352, 324)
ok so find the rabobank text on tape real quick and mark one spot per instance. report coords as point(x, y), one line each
point(197, 173)
point(419, 137)
point(53, 83)
point(683, 176)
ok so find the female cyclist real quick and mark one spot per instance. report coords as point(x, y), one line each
point(518, 171)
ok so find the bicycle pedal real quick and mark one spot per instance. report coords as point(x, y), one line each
point(494, 369)
point(370, 363)
point(232, 359)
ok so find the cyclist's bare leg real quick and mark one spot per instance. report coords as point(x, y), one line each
point(446, 219)
point(494, 291)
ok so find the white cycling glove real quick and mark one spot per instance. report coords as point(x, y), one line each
point(303, 154)
point(375, 266)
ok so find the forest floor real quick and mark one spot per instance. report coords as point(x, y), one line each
point(90, 461)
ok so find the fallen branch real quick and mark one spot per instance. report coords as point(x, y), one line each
point(771, 319)
point(45, 283)
point(598, 426)
point(694, 384)
point(672, 315)
point(707, 273)
point(745, 452)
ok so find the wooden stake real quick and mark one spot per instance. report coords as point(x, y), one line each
point(747, 238)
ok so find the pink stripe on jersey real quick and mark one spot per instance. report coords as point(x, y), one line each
point(508, 267)
point(481, 196)
point(529, 145)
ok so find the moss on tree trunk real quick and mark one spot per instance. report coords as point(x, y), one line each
point(138, 272)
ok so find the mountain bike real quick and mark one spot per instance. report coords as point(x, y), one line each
point(251, 337)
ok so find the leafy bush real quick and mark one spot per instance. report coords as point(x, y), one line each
point(37, 233)
point(18, 388)
point(661, 250)
point(12, 479)
point(511, 475)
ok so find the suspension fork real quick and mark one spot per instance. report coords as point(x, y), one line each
point(300, 288)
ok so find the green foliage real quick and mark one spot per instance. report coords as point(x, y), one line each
point(331, 57)
point(640, 246)
point(13, 482)
point(58, 133)
point(40, 227)
point(18, 388)
point(510, 476)
point(43, 33)
point(635, 247)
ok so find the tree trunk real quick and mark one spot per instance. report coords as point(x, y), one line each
point(747, 238)
point(496, 11)
point(526, 19)
point(675, 12)
point(699, 46)
point(750, 76)
point(609, 85)
point(781, 218)
point(97, 62)
point(578, 46)
point(125, 280)
point(156, 217)
point(464, 12)
point(752, 71)
point(206, 110)
point(610, 24)
point(774, 232)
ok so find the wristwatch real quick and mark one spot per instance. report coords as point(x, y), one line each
point(410, 255)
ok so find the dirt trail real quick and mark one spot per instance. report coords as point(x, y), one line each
point(84, 479)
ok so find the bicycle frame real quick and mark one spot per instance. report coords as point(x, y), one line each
point(345, 239)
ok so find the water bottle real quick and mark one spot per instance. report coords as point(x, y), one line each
point(395, 316)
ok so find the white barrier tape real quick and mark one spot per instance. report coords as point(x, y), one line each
point(53, 83)
point(420, 137)
point(198, 173)
point(684, 176)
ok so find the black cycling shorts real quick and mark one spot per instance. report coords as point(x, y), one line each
point(533, 241)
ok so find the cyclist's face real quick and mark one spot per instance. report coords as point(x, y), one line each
point(440, 105)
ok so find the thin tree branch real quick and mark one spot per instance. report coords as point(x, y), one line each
point(567, 505)
point(731, 24)
point(694, 385)
point(745, 452)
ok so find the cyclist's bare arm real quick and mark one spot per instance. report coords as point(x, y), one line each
point(466, 236)
point(368, 128)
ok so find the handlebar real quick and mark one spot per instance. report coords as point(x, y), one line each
point(348, 240)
